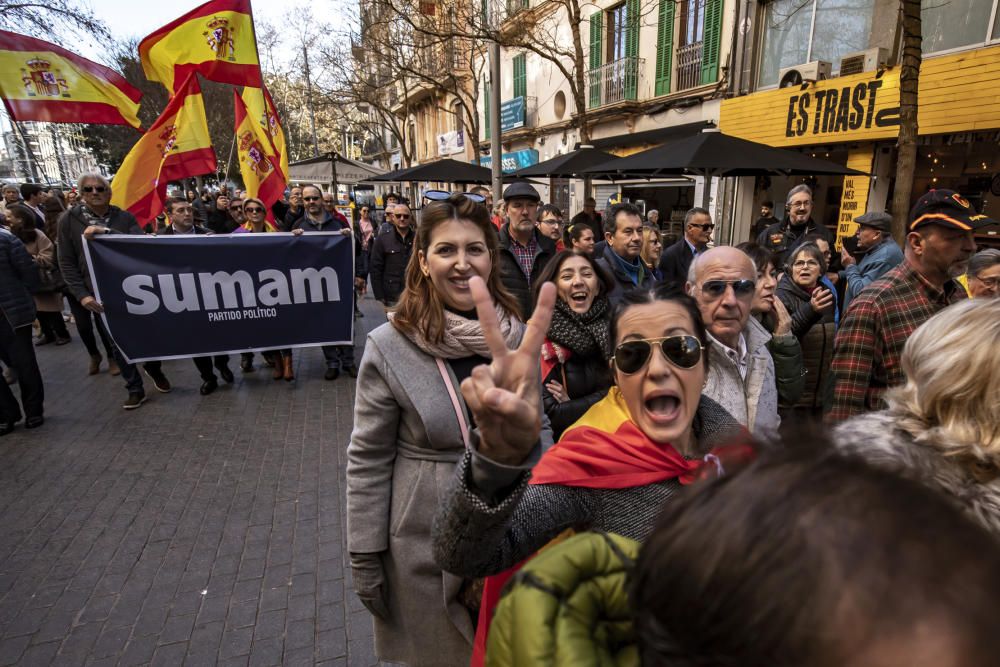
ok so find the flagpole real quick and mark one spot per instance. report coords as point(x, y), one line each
point(229, 162)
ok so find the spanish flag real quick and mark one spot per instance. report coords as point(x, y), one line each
point(259, 165)
point(176, 146)
point(261, 106)
point(216, 40)
point(42, 81)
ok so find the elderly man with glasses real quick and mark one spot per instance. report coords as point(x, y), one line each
point(983, 275)
point(740, 368)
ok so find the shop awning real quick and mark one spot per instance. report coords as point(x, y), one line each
point(321, 170)
point(657, 136)
point(711, 154)
point(567, 165)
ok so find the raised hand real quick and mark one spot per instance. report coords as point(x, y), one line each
point(504, 395)
point(784, 320)
point(822, 299)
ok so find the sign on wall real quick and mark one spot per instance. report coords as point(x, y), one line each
point(511, 162)
point(452, 142)
point(854, 200)
point(512, 114)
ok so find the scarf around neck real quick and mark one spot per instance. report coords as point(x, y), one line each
point(463, 337)
point(583, 334)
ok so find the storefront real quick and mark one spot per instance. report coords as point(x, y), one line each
point(854, 121)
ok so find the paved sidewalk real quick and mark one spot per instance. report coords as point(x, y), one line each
point(192, 531)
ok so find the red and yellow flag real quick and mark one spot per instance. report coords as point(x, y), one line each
point(259, 165)
point(261, 106)
point(216, 40)
point(176, 146)
point(42, 81)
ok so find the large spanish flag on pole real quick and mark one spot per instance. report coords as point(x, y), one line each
point(176, 146)
point(216, 40)
point(261, 106)
point(260, 167)
point(42, 81)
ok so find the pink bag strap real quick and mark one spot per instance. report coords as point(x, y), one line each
point(453, 395)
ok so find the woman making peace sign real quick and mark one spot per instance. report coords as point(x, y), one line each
point(411, 427)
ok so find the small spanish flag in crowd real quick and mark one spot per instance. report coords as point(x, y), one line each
point(259, 165)
point(215, 40)
point(261, 106)
point(44, 82)
point(175, 147)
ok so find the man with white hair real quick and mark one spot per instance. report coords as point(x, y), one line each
point(783, 237)
point(740, 368)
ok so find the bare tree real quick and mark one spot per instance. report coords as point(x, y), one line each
point(51, 20)
point(906, 146)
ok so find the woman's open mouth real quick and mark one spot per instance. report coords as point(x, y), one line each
point(579, 298)
point(460, 283)
point(663, 407)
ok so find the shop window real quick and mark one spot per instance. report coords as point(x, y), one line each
point(958, 23)
point(835, 27)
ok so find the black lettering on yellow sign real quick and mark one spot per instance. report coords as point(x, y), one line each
point(838, 110)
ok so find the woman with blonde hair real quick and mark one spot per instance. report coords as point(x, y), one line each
point(942, 427)
point(411, 426)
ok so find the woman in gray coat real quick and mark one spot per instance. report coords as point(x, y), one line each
point(411, 428)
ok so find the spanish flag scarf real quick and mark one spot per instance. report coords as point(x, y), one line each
point(604, 449)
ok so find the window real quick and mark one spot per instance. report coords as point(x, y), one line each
point(692, 21)
point(664, 46)
point(617, 29)
point(520, 76)
point(840, 27)
point(952, 24)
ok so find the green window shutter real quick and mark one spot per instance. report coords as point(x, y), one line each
point(486, 107)
point(711, 42)
point(632, 10)
point(520, 77)
point(664, 46)
point(593, 76)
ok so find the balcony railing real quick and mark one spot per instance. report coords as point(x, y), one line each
point(617, 81)
point(689, 65)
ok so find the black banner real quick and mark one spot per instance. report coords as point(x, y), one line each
point(178, 296)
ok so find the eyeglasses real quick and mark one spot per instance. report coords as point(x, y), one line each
point(442, 195)
point(804, 263)
point(716, 288)
point(310, 198)
point(402, 216)
point(707, 227)
point(254, 209)
point(681, 351)
point(989, 283)
point(94, 188)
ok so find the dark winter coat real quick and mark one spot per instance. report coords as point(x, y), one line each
point(623, 281)
point(675, 262)
point(18, 279)
point(72, 261)
point(330, 223)
point(390, 255)
point(782, 238)
point(816, 333)
point(586, 380)
point(510, 270)
point(220, 222)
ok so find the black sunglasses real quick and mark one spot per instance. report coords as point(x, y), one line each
point(682, 351)
point(716, 288)
point(707, 227)
point(254, 209)
point(310, 198)
point(442, 195)
point(94, 188)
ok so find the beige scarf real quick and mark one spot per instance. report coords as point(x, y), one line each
point(464, 337)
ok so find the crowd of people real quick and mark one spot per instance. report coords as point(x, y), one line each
point(747, 433)
point(535, 392)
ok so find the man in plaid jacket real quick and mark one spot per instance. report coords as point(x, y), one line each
point(882, 317)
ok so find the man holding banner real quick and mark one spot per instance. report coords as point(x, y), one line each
point(96, 216)
point(180, 215)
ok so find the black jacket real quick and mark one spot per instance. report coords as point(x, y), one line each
point(586, 381)
point(390, 254)
point(331, 224)
point(220, 222)
point(782, 238)
point(623, 282)
point(72, 261)
point(169, 231)
point(675, 262)
point(18, 279)
point(816, 333)
point(510, 269)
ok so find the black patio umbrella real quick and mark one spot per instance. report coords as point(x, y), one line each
point(712, 154)
point(391, 176)
point(567, 165)
point(446, 171)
